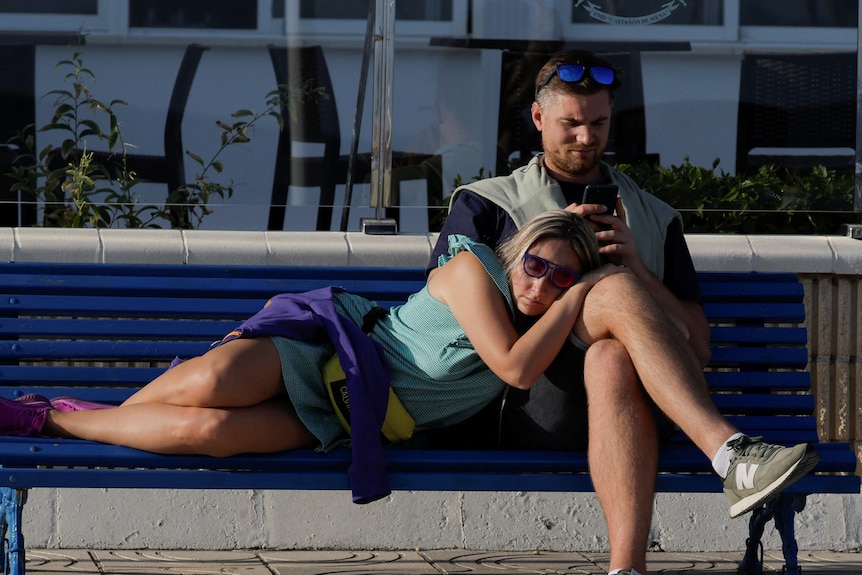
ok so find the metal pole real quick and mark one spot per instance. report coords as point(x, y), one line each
point(855, 230)
point(858, 193)
point(381, 136)
point(357, 114)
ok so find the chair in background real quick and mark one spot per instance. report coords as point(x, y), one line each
point(169, 167)
point(517, 137)
point(797, 111)
point(431, 172)
point(18, 103)
point(311, 117)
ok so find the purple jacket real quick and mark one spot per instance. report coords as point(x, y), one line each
point(311, 316)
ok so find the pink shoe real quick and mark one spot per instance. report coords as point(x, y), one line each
point(34, 400)
point(64, 403)
point(22, 419)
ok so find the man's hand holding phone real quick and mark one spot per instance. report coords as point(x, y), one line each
point(601, 195)
point(616, 242)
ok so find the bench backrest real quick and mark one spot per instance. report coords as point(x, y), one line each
point(116, 325)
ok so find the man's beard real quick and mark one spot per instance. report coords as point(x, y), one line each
point(574, 165)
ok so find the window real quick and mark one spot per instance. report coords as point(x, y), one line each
point(206, 14)
point(800, 22)
point(49, 7)
point(53, 15)
point(413, 18)
point(358, 9)
point(808, 13)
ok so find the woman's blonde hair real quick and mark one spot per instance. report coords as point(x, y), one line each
point(554, 224)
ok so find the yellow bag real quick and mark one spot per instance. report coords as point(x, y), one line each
point(398, 424)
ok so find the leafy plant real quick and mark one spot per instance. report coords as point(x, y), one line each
point(78, 191)
point(772, 201)
point(441, 207)
point(64, 177)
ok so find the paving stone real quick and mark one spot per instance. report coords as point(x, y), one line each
point(411, 562)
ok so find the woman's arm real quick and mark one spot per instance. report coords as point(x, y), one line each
point(475, 301)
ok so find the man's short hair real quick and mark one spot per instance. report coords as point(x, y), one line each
point(586, 85)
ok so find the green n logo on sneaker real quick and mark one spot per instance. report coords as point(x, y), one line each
point(745, 475)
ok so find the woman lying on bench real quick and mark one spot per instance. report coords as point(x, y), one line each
point(264, 390)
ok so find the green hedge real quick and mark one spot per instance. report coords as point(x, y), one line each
point(772, 201)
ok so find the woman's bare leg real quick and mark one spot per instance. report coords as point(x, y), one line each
point(230, 400)
point(171, 429)
point(239, 373)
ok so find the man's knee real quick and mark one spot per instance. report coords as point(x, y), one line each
point(608, 362)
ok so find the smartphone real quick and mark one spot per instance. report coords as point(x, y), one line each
point(605, 194)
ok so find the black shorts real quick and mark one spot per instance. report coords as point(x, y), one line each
point(551, 415)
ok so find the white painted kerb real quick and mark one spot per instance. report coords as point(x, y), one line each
point(711, 252)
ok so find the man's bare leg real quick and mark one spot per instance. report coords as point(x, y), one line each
point(623, 451)
point(619, 308)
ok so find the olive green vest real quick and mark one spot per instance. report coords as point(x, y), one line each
point(529, 190)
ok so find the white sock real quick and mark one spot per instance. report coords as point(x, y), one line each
point(615, 571)
point(721, 461)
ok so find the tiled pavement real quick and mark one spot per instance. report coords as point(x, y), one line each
point(415, 562)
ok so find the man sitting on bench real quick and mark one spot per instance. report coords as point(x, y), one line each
point(607, 397)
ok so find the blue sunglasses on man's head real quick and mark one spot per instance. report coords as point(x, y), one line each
point(571, 73)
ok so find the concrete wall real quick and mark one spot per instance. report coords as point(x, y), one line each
point(131, 519)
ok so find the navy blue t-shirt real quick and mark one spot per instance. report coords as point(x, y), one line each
point(486, 222)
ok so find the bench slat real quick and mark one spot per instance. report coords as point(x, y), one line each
point(128, 307)
point(151, 349)
point(752, 335)
point(136, 329)
point(744, 380)
point(416, 470)
point(760, 312)
point(751, 290)
point(49, 375)
point(65, 452)
point(124, 375)
point(763, 403)
point(87, 350)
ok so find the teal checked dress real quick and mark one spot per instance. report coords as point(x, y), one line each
point(436, 373)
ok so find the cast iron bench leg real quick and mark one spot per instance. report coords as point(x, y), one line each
point(3, 529)
point(786, 508)
point(752, 562)
point(783, 510)
point(13, 553)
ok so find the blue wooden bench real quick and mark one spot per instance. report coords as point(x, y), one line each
point(99, 331)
